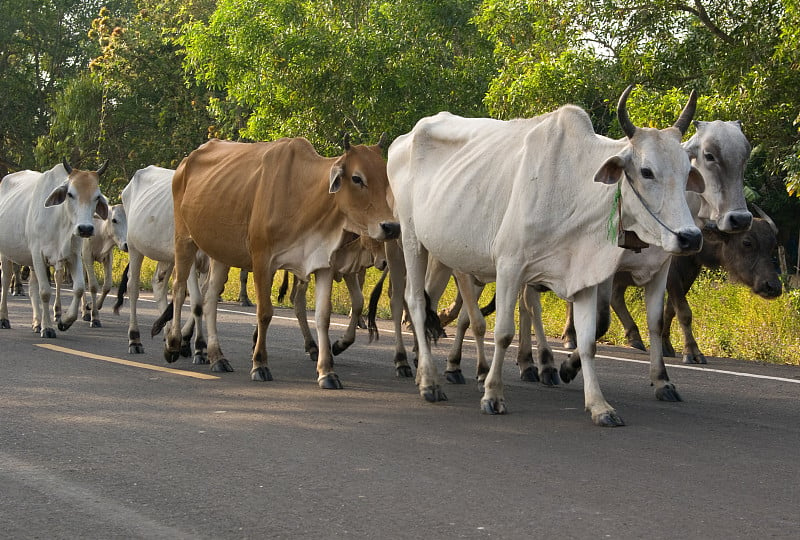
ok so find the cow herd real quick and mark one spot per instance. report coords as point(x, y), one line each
point(533, 204)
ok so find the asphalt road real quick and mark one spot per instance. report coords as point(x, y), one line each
point(97, 443)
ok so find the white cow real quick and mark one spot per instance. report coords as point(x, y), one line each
point(151, 233)
point(110, 233)
point(44, 218)
point(528, 201)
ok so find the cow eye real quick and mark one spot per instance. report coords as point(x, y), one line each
point(747, 243)
point(709, 157)
point(114, 220)
point(358, 180)
point(70, 195)
point(648, 173)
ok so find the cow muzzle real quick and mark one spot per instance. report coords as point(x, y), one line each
point(735, 221)
point(390, 230)
point(689, 240)
point(85, 231)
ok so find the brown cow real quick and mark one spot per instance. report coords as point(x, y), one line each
point(267, 206)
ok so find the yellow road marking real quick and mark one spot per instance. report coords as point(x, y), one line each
point(120, 361)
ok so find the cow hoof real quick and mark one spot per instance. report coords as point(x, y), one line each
point(637, 344)
point(493, 406)
point(404, 371)
point(87, 317)
point(608, 419)
point(667, 349)
point(570, 344)
point(260, 374)
point(432, 393)
point(223, 366)
point(63, 326)
point(37, 328)
point(171, 356)
point(48, 333)
point(567, 372)
point(694, 359)
point(135, 348)
point(246, 302)
point(96, 324)
point(5, 324)
point(339, 347)
point(668, 392)
point(330, 382)
point(186, 350)
point(529, 374)
point(313, 351)
point(455, 377)
point(200, 358)
point(550, 376)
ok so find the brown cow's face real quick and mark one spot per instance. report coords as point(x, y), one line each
point(748, 258)
point(361, 192)
point(81, 195)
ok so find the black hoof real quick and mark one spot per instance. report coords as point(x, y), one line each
point(455, 377)
point(330, 382)
point(608, 419)
point(223, 366)
point(186, 349)
point(668, 393)
point(96, 324)
point(404, 371)
point(48, 333)
point(200, 358)
point(261, 374)
point(637, 344)
point(313, 351)
point(694, 359)
point(170, 356)
point(567, 373)
point(339, 347)
point(549, 376)
point(87, 317)
point(135, 348)
point(493, 406)
point(529, 374)
point(63, 326)
point(37, 328)
point(432, 394)
point(5, 324)
point(667, 349)
point(570, 344)
point(246, 302)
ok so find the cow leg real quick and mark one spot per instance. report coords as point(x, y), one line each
point(58, 281)
point(451, 312)
point(568, 337)
point(217, 276)
point(323, 284)
point(548, 374)
point(585, 310)
point(108, 280)
point(452, 372)
point(134, 275)
point(300, 303)
point(16, 288)
point(5, 280)
point(41, 300)
point(508, 286)
point(90, 310)
point(470, 316)
point(691, 350)
point(243, 299)
point(527, 369)
point(666, 331)
point(262, 280)
point(196, 303)
point(632, 334)
point(397, 273)
point(654, 301)
point(185, 250)
point(357, 308)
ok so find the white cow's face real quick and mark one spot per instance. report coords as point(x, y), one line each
point(118, 223)
point(80, 193)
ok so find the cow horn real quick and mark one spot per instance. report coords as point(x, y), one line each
point(683, 121)
point(102, 168)
point(765, 217)
point(67, 167)
point(346, 142)
point(384, 140)
point(622, 113)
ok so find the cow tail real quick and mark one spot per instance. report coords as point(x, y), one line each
point(162, 320)
point(433, 325)
point(372, 307)
point(123, 288)
point(284, 287)
point(489, 308)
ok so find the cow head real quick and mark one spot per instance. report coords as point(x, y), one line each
point(117, 224)
point(748, 256)
point(720, 150)
point(655, 172)
point(80, 193)
point(361, 192)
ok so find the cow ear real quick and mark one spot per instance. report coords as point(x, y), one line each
point(57, 196)
point(336, 178)
point(102, 207)
point(611, 171)
point(695, 182)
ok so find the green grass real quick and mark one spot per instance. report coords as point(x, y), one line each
point(728, 319)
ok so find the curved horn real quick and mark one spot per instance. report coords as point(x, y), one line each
point(622, 113)
point(346, 142)
point(765, 217)
point(384, 140)
point(683, 121)
point(66, 166)
point(102, 168)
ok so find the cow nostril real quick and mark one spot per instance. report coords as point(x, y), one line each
point(390, 230)
point(740, 221)
point(85, 231)
point(691, 240)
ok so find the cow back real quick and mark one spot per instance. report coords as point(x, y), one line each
point(147, 200)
